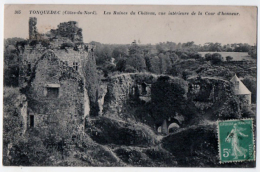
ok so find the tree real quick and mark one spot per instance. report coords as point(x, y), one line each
point(12, 119)
point(147, 49)
point(153, 64)
point(137, 62)
point(196, 56)
point(216, 58)
point(229, 58)
point(136, 58)
point(11, 60)
point(134, 49)
point(108, 68)
point(13, 41)
point(208, 56)
point(121, 65)
point(161, 48)
point(188, 44)
point(174, 57)
point(242, 47)
point(130, 69)
point(104, 55)
point(11, 68)
point(169, 95)
point(119, 52)
point(215, 47)
point(251, 84)
point(164, 63)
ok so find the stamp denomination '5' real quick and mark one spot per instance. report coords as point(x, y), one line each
point(236, 140)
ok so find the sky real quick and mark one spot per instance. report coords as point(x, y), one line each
point(149, 29)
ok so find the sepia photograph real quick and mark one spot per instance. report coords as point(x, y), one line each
point(129, 86)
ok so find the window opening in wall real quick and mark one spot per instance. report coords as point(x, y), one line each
point(75, 66)
point(144, 91)
point(31, 120)
point(52, 92)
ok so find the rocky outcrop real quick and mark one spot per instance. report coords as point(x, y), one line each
point(101, 98)
point(105, 130)
point(146, 98)
point(124, 89)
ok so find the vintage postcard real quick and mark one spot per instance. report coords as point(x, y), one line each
point(129, 86)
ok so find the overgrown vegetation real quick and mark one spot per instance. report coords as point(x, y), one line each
point(169, 95)
point(111, 131)
point(133, 140)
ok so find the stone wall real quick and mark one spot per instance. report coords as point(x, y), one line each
point(69, 30)
point(23, 111)
point(126, 100)
point(63, 112)
point(124, 88)
point(33, 28)
point(30, 56)
point(208, 89)
point(214, 98)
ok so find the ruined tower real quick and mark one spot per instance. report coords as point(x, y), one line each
point(32, 28)
point(54, 78)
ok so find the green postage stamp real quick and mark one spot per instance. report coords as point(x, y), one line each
point(236, 140)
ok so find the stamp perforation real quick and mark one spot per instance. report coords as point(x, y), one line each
point(219, 147)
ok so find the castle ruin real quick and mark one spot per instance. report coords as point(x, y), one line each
point(52, 78)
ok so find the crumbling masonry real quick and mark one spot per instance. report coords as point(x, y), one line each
point(52, 79)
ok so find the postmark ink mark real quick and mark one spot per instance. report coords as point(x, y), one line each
point(236, 140)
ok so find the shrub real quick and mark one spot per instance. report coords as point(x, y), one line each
point(121, 65)
point(196, 56)
point(229, 58)
point(130, 69)
point(247, 113)
point(204, 154)
point(11, 75)
point(104, 130)
point(184, 56)
point(170, 95)
point(108, 68)
point(208, 56)
point(216, 58)
point(174, 57)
